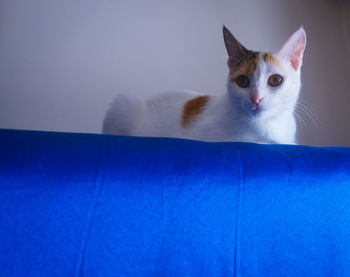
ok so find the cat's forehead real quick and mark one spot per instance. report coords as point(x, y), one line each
point(270, 59)
point(257, 63)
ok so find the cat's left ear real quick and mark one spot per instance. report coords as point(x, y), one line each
point(293, 49)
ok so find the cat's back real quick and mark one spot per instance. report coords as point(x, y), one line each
point(159, 115)
point(170, 102)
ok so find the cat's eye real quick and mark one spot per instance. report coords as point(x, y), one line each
point(275, 80)
point(243, 81)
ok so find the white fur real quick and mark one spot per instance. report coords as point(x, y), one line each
point(228, 116)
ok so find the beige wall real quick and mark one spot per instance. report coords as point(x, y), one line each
point(62, 62)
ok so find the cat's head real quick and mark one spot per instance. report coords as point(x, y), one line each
point(265, 84)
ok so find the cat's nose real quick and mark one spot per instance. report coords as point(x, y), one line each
point(256, 99)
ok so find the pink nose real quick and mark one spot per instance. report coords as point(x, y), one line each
point(256, 99)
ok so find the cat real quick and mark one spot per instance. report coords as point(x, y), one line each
point(258, 106)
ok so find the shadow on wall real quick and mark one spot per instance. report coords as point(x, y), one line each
point(326, 71)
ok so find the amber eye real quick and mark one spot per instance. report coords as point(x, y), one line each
point(275, 80)
point(243, 81)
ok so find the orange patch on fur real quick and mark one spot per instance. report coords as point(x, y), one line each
point(269, 58)
point(247, 68)
point(193, 108)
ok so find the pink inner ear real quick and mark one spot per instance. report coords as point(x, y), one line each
point(293, 49)
point(297, 55)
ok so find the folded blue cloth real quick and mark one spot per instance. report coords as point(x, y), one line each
point(99, 205)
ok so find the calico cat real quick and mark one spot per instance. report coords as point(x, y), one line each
point(258, 106)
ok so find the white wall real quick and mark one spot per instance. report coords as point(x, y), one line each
point(62, 62)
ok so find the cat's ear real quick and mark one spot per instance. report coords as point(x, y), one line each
point(293, 49)
point(236, 51)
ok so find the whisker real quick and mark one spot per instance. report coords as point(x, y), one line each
point(307, 110)
point(310, 109)
point(314, 120)
point(301, 119)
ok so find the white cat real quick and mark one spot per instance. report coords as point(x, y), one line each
point(258, 106)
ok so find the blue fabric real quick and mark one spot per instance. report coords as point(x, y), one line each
point(98, 205)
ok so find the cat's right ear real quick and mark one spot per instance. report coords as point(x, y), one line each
point(235, 50)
